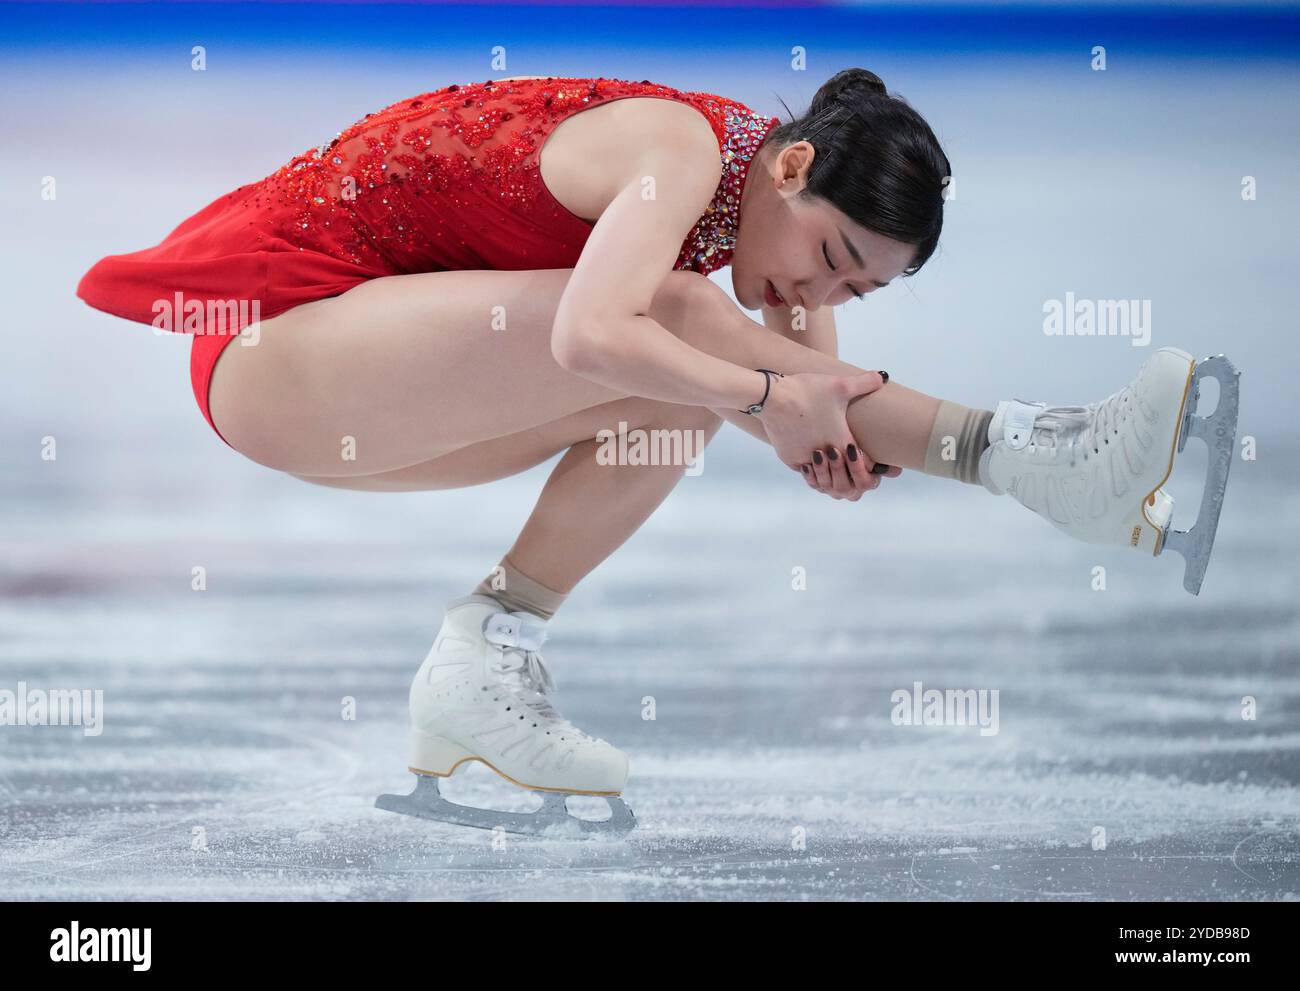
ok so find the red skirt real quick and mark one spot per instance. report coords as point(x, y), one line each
point(213, 276)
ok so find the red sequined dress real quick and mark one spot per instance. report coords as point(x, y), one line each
point(444, 181)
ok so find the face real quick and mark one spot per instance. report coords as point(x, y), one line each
point(812, 254)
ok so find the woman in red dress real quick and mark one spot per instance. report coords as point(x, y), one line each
point(466, 283)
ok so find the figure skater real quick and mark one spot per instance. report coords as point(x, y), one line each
point(466, 283)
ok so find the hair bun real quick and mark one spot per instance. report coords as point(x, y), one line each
point(848, 86)
point(873, 83)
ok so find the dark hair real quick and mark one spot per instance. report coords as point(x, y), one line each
point(877, 161)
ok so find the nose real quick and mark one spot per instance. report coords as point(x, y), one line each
point(811, 296)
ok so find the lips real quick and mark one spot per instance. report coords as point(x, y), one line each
point(771, 296)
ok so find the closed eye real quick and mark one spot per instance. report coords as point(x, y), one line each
point(827, 255)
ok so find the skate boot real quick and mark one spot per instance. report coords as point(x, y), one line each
point(483, 693)
point(1096, 471)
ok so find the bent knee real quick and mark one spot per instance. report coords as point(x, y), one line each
point(683, 295)
point(674, 416)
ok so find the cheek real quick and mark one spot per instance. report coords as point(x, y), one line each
point(782, 259)
point(766, 248)
point(749, 252)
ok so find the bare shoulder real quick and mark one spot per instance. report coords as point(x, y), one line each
point(593, 154)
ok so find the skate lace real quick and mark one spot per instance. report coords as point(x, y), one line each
point(529, 680)
point(1079, 430)
point(527, 676)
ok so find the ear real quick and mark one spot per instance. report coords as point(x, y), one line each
point(792, 165)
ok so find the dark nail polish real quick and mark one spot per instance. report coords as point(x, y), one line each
point(833, 454)
point(879, 469)
point(804, 469)
point(817, 457)
point(885, 375)
point(853, 452)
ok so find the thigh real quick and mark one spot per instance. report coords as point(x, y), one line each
point(500, 457)
point(402, 370)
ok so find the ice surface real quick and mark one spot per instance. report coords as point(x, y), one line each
point(1118, 709)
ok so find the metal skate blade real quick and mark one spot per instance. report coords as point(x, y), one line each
point(1219, 431)
point(552, 819)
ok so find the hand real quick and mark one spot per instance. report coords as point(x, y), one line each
point(806, 413)
point(845, 474)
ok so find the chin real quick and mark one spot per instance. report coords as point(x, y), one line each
point(746, 304)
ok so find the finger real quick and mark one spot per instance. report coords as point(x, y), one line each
point(826, 489)
point(859, 468)
point(872, 471)
point(863, 383)
point(841, 487)
point(807, 471)
point(811, 479)
point(894, 471)
point(843, 484)
point(822, 471)
point(840, 479)
point(851, 491)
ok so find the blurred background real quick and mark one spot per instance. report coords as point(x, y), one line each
point(1120, 708)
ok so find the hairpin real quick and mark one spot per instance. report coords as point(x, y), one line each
point(829, 116)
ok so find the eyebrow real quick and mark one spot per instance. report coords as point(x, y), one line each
point(857, 256)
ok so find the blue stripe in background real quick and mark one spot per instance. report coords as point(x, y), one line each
point(1198, 30)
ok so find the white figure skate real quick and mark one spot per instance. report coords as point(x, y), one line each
point(1096, 471)
point(482, 694)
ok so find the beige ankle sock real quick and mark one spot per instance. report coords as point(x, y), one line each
point(518, 593)
point(957, 440)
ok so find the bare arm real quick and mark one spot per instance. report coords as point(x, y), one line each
point(658, 188)
point(602, 331)
point(815, 330)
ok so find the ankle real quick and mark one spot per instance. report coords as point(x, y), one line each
point(518, 592)
point(957, 439)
